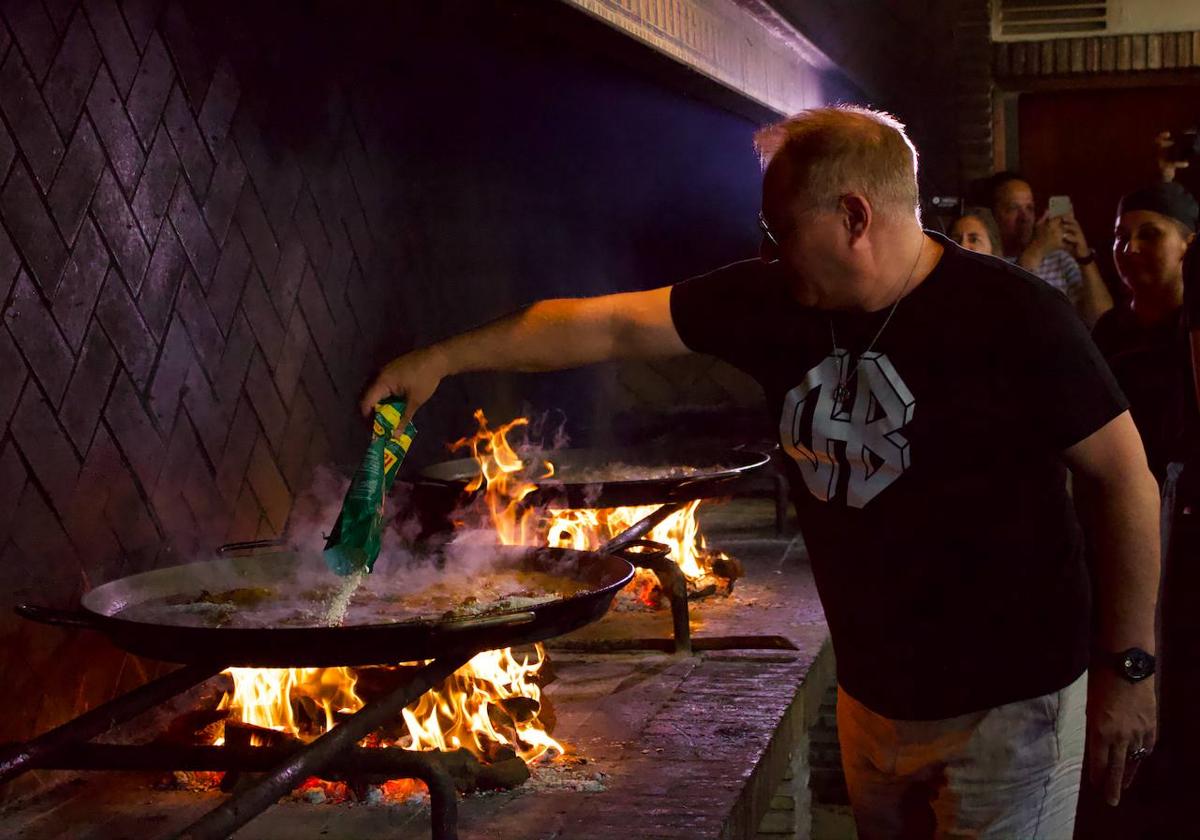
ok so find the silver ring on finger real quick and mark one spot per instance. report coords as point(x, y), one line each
point(1138, 754)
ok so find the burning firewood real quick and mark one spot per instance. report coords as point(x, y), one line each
point(728, 569)
point(520, 709)
point(375, 682)
point(194, 727)
point(470, 774)
point(239, 735)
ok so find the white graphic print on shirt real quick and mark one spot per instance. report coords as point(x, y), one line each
point(869, 425)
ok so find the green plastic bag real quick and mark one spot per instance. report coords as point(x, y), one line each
point(353, 545)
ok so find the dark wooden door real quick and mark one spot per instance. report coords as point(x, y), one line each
point(1097, 145)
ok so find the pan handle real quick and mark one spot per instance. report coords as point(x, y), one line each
point(50, 615)
point(437, 483)
point(706, 483)
point(507, 620)
point(762, 447)
point(641, 550)
point(249, 545)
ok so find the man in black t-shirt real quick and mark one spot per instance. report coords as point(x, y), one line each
point(929, 400)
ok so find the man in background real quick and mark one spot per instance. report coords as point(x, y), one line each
point(1052, 247)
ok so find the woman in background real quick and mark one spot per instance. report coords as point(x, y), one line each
point(976, 231)
point(1146, 343)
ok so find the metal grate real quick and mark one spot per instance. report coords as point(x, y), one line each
point(1049, 18)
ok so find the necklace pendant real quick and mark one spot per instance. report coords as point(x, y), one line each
point(841, 395)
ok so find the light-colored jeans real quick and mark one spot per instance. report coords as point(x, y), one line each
point(1007, 773)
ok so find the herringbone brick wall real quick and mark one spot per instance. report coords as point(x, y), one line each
point(187, 312)
point(217, 218)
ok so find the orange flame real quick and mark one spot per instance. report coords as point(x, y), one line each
point(460, 716)
point(266, 697)
point(463, 713)
point(588, 529)
point(500, 471)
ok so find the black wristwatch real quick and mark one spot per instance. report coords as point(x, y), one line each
point(1087, 259)
point(1133, 664)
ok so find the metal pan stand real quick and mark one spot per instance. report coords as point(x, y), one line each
point(68, 747)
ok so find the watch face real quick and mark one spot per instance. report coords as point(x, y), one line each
point(1136, 664)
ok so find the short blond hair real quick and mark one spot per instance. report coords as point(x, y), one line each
point(845, 148)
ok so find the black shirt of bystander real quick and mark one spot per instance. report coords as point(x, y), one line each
point(1188, 447)
point(1152, 364)
point(932, 499)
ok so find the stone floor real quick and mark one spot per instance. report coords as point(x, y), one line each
point(832, 822)
point(663, 746)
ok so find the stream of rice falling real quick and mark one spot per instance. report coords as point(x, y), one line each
point(335, 614)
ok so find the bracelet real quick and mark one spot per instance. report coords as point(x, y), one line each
point(1088, 258)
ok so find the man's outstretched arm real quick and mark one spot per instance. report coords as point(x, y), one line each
point(548, 335)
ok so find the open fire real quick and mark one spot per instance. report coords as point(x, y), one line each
point(584, 529)
point(490, 702)
point(587, 529)
point(492, 706)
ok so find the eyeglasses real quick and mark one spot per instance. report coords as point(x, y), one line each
point(766, 229)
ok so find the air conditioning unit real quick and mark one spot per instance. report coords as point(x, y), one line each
point(1035, 20)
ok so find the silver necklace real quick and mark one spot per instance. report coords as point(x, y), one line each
point(841, 393)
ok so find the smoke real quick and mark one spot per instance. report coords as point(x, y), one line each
point(471, 550)
point(403, 567)
point(316, 509)
point(547, 431)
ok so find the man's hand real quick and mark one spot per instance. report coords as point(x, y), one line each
point(1073, 238)
point(1166, 166)
point(1122, 718)
point(1047, 237)
point(414, 377)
